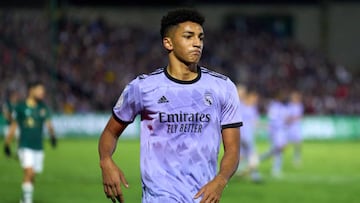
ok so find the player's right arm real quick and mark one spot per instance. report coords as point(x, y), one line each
point(112, 175)
point(124, 112)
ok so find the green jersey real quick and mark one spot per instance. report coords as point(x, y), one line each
point(31, 121)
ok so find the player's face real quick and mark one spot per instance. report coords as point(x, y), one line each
point(14, 97)
point(253, 98)
point(38, 92)
point(187, 42)
point(295, 97)
point(241, 91)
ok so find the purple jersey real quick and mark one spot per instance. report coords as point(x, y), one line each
point(250, 118)
point(277, 115)
point(295, 110)
point(181, 123)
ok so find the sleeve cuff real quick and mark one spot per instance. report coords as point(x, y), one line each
point(119, 120)
point(232, 125)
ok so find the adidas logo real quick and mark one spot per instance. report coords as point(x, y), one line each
point(163, 100)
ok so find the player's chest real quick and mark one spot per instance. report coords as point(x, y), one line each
point(34, 113)
point(168, 99)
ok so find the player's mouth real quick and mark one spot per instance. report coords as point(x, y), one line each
point(196, 52)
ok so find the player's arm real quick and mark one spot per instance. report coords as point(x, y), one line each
point(7, 114)
point(9, 137)
point(229, 162)
point(112, 176)
point(51, 131)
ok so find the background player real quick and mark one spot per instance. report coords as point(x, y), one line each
point(30, 116)
point(277, 115)
point(250, 116)
point(186, 111)
point(295, 111)
point(241, 90)
point(12, 97)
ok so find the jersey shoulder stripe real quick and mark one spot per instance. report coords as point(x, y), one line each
point(156, 72)
point(213, 73)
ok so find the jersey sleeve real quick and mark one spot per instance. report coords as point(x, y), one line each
point(128, 104)
point(230, 110)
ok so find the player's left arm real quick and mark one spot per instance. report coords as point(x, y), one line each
point(212, 191)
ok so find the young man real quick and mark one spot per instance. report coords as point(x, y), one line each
point(277, 116)
point(30, 116)
point(186, 111)
point(295, 113)
point(250, 116)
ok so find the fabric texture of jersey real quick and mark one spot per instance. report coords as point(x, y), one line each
point(31, 123)
point(181, 123)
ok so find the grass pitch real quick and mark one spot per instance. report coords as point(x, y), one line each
point(330, 173)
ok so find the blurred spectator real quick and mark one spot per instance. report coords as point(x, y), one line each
point(94, 60)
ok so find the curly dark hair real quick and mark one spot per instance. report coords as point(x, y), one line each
point(178, 16)
point(34, 83)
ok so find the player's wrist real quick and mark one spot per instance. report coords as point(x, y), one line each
point(222, 180)
point(104, 161)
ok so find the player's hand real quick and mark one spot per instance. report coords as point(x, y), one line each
point(113, 178)
point(7, 150)
point(211, 192)
point(53, 142)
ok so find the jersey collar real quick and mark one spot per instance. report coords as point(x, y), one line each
point(185, 82)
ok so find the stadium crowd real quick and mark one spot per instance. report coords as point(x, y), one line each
point(87, 63)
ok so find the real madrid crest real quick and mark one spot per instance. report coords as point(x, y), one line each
point(208, 100)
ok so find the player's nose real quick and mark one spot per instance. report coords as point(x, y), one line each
point(197, 42)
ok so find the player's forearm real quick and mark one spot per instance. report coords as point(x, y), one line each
point(51, 129)
point(229, 163)
point(107, 145)
point(109, 138)
point(230, 160)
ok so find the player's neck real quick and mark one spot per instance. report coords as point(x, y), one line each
point(30, 101)
point(181, 71)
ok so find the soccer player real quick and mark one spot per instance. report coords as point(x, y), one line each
point(250, 116)
point(277, 116)
point(186, 112)
point(30, 116)
point(295, 113)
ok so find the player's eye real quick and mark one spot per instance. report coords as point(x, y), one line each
point(187, 36)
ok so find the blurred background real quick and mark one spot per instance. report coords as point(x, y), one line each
point(82, 48)
point(87, 51)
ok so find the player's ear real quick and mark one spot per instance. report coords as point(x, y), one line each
point(167, 43)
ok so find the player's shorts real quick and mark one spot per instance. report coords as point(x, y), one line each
point(30, 158)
